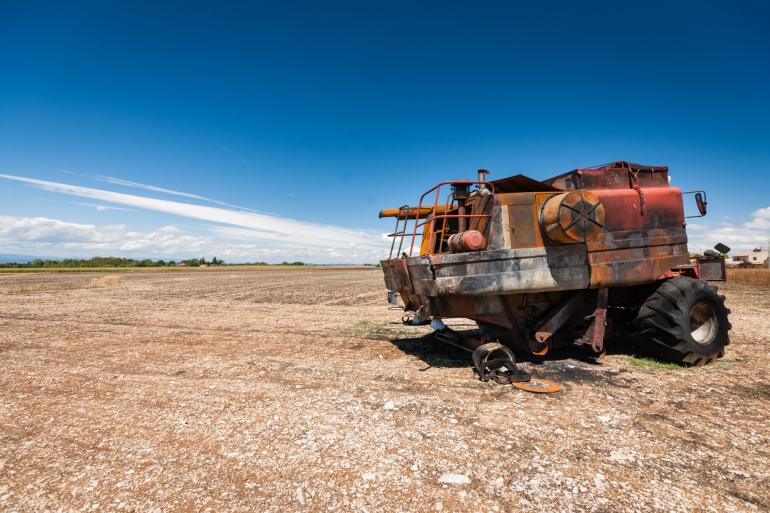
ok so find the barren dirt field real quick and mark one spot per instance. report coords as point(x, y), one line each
point(298, 390)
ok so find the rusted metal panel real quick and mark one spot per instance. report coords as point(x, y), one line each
point(515, 221)
point(616, 175)
point(712, 268)
point(396, 272)
point(622, 208)
point(387, 271)
point(523, 226)
point(639, 238)
point(638, 248)
point(459, 306)
point(498, 231)
point(636, 265)
point(421, 276)
point(511, 271)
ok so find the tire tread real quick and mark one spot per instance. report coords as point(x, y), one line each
point(661, 320)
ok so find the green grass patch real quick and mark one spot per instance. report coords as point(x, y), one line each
point(651, 364)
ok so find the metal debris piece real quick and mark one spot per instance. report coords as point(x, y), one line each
point(494, 361)
point(538, 386)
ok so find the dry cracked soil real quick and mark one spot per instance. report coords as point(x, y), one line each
point(278, 389)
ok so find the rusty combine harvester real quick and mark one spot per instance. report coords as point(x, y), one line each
point(571, 260)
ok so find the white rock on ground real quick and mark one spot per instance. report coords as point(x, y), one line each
point(460, 479)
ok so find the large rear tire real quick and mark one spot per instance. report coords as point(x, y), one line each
point(684, 320)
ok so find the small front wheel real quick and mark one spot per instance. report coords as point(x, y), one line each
point(684, 320)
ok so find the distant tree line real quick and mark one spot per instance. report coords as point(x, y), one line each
point(71, 263)
point(266, 263)
point(197, 262)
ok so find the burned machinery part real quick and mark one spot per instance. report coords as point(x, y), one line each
point(496, 362)
point(572, 260)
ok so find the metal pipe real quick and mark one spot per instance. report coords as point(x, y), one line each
point(410, 212)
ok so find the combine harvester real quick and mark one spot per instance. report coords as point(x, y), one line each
point(571, 260)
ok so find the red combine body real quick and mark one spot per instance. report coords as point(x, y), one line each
point(539, 264)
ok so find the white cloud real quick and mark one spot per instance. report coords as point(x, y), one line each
point(265, 227)
point(100, 208)
point(41, 236)
point(40, 230)
point(155, 188)
point(751, 234)
point(760, 220)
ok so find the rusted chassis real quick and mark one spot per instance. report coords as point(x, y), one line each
point(526, 296)
point(533, 280)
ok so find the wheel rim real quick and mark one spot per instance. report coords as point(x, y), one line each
point(703, 323)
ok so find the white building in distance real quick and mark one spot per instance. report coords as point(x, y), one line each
point(756, 258)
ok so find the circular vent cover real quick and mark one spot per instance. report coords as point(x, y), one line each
point(576, 216)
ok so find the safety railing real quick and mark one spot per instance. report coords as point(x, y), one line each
point(403, 209)
point(434, 216)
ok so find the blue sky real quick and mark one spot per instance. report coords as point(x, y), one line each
point(321, 113)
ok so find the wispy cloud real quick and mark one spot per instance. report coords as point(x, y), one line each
point(265, 227)
point(100, 208)
point(154, 188)
point(172, 192)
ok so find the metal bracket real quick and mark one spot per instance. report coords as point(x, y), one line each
point(701, 200)
point(557, 320)
point(634, 178)
point(595, 333)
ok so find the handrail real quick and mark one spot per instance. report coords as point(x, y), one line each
point(433, 217)
point(396, 232)
point(450, 200)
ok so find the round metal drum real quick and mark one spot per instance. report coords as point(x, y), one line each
point(575, 216)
